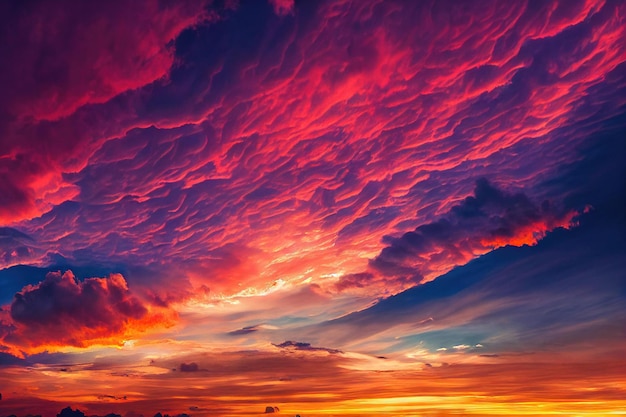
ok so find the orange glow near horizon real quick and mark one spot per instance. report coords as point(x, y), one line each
point(508, 388)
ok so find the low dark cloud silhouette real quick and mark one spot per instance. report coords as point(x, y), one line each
point(167, 415)
point(304, 346)
point(68, 412)
point(244, 330)
point(189, 367)
point(27, 415)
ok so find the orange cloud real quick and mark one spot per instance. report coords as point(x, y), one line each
point(238, 383)
point(64, 312)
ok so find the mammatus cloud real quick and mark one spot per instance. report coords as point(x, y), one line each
point(295, 156)
point(189, 367)
point(61, 311)
point(64, 58)
point(489, 219)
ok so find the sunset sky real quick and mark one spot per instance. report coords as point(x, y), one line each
point(326, 208)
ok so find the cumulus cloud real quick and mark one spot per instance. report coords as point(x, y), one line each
point(69, 412)
point(489, 219)
point(62, 311)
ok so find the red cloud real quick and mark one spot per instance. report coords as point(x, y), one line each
point(58, 59)
point(73, 53)
point(293, 157)
point(61, 311)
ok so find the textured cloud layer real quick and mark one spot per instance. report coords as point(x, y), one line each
point(59, 59)
point(238, 151)
point(333, 125)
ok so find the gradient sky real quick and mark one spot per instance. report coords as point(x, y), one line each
point(351, 207)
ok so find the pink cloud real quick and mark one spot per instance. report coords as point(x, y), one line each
point(282, 7)
point(295, 158)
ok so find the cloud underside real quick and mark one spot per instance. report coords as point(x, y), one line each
point(305, 148)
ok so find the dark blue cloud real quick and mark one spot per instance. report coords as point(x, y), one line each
point(568, 290)
point(304, 346)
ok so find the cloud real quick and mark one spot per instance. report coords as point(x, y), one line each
point(63, 59)
point(304, 346)
point(514, 299)
point(16, 248)
point(296, 155)
point(489, 219)
point(167, 415)
point(237, 385)
point(189, 367)
point(62, 311)
point(245, 330)
point(282, 7)
point(255, 328)
point(69, 412)
point(86, 53)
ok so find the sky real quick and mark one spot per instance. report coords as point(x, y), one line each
point(313, 208)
